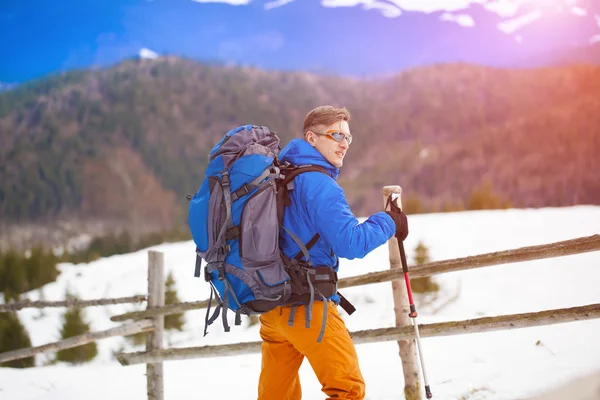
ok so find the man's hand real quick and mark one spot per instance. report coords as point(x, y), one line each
point(401, 223)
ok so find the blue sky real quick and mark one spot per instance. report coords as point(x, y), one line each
point(38, 34)
point(343, 36)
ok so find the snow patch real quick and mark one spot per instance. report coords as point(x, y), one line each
point(514, 24)
point(578, 11)
point(461, 19)
point(407, 5)
point(277, 3)
point(148, 54)
point(504, 8)
point(388, 10)
point(231, 2)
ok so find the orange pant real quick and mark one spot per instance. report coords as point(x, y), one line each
point(284, 347)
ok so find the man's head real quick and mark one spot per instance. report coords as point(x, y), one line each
point(326, 128)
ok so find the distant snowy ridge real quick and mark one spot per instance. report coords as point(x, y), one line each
point(148, 54)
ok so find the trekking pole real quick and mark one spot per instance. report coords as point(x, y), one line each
point(413, 310)
point(413, 317)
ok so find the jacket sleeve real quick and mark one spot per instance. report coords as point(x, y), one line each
point(330, 213)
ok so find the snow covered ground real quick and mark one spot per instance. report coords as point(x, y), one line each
point(514, 364)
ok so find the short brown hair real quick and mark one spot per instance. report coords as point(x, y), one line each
point(324, 116)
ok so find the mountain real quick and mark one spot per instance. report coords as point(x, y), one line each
point(572, 55)
point(104, 150)
point(343, 37)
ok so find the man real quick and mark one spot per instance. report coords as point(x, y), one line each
point(318, 205)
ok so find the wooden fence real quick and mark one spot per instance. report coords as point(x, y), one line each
point(151, 320)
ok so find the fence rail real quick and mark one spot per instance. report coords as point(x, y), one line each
point(19, 305)
point(80, 340)
point(478, 325)
point(166, 310)
point(556, 249)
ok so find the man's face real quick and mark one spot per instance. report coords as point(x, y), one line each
point(332, 150)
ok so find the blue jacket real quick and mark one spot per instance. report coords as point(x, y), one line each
point(319, 206)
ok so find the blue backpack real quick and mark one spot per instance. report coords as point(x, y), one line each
point(235, 221)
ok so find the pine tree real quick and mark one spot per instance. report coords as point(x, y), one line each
point(40, 267)
point(14, 276)
point(426, 283)
point(73, 325)
point(172, 321)
point(13, 336)
point(421, 254)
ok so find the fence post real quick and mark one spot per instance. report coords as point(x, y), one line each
point(408, 353)
point(154, 340)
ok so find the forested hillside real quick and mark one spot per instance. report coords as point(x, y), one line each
point(122, 147)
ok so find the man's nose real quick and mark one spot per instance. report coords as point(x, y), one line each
point(344, 144)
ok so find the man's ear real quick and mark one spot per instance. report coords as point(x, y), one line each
point(310, 138)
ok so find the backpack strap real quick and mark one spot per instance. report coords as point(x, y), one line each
point(283, 200)
point(263, 180)
point(221, 241)
point(199, 265)
point(303, 248)
point(209, 320)
point(324, 321)
point(221, 244)
point(272, 172)
point(222, 307)
point(288, 174)
point(306, 248)
point(346, 305)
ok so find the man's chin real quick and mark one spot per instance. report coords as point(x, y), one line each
point(336, 163)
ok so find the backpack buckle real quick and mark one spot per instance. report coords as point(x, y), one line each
point(225, 249)
point(225, 178)
point(244, 191)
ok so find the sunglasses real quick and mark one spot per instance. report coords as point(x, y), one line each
point(336, 135)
